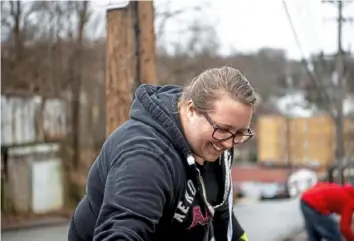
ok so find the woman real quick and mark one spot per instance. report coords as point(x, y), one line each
point(165, 173)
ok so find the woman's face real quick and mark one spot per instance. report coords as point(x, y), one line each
point(228, 115)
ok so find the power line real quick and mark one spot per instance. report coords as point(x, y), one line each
point(293, 29)
point(304, 62)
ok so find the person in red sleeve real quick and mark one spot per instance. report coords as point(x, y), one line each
point(317, 206)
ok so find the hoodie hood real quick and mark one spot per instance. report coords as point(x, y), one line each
point(157, 107)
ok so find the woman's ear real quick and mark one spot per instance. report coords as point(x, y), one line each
point(190, 110)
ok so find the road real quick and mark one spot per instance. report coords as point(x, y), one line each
point(266, 221)
point(270, 220)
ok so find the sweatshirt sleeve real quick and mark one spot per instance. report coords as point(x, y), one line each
point(138, 187)
point(346, 222)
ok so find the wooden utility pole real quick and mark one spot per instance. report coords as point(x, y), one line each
point(144, 35)
point(340, 92)
point(147, 42)
point(130, 57)
point(119, 62)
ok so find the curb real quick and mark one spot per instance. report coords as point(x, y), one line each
point(45, 222)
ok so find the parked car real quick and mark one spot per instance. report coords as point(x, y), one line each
point(273, 190)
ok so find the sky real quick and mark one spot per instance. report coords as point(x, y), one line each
point(247, 25)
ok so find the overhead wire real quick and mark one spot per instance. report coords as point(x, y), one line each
point(304, 61)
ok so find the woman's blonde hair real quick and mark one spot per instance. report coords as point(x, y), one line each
point(211, 84)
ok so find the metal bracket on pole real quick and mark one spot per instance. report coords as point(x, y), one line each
point(111, 4)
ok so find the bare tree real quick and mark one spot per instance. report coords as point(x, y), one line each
point(75, 69)
point(199, 41)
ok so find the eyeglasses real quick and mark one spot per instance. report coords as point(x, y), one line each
point(220, 134)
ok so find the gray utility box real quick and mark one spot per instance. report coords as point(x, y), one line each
point(35, 178)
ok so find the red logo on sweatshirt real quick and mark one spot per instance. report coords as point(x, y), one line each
point(198, 217)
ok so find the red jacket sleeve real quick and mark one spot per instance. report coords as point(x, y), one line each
point(346, 222)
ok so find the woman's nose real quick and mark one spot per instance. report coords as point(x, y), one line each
point(228, 144)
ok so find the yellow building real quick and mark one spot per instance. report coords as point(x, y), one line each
point(301, 141)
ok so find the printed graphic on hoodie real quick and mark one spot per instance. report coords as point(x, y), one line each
point(191, 210)
point(185, 204)
point(198, 217)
